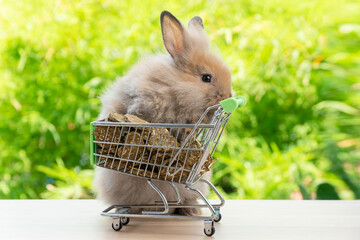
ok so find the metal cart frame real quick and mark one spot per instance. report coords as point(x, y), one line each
point(170, 169)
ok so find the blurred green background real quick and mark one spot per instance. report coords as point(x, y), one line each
point(297, 62)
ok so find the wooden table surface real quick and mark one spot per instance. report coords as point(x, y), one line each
point(242, 219)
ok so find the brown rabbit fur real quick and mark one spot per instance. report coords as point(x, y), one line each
point(165, 89)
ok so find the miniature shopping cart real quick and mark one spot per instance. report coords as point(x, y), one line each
point(148, 150)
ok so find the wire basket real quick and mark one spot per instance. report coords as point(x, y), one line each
point(175, 153)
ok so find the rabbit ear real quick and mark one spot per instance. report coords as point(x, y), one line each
point(196, 22)
point(173, 34)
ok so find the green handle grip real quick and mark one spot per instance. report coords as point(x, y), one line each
point(233, 103)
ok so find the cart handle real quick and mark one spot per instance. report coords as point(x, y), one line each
point(233, 103)
point(228, 105)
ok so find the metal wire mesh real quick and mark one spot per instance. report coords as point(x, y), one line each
point(148, 149)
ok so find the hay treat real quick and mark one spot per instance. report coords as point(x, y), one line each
point(190, 157)
point(163, 174)
point(107, 151)
point(159, 160)
point(125, 166)
point(208, 163)
point(133, 119)
point(144, 173)
point(132, 152)
point(116, 117)
point(144, 133)
point(152, 158)
point(112, 163)
point(162, 137)
point(106, 134)
point(159, 139)
point(107, 159)
point(158, 154)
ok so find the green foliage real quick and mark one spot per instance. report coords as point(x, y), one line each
point(70, 183)
point(298, 64)
point(326, 191)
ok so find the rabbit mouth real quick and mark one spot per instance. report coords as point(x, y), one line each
point(211, 102)
point(216, 100)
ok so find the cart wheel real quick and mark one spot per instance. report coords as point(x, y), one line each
point(218, 220)
point(117, 224)
point(125, 220)
point(209, 231)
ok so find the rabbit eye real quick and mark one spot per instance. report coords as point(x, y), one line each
point(206, 78)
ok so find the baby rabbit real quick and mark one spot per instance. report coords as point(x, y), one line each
point(165, 88)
